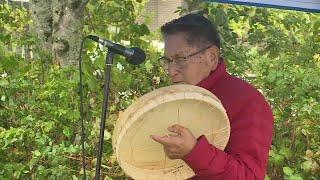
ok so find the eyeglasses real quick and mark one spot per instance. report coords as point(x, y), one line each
point(179, 62)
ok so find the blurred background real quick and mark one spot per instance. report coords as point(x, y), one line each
point(278, 51)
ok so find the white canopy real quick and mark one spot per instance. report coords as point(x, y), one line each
point(300, 5)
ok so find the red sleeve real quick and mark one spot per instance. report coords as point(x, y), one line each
point(246, 154)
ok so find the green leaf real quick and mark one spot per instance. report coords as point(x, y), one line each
point(48, 126)
point(3, 98)
point(295, 177)
point(32, 162)
point(2, 49)
point(221, 17)
point(90, 7)
point(4, 82)
point(37, 153)
point(287, 171)
point(278, 159)
point(286, 152)
point(306, 166)
point(67, 132)
point(144, 30)
point(11, 102)
point(91, 82)
point(107, 135)
point(148, 66)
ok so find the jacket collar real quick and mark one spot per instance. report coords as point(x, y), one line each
point(214, 76)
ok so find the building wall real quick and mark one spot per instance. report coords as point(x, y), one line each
point(162, 11)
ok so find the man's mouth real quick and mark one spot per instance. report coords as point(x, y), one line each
point(178, 82)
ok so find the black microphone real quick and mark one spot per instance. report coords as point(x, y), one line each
point(134, 55)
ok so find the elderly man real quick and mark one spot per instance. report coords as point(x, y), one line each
point(192, 56)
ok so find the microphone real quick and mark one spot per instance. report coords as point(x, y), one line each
point(133, 55)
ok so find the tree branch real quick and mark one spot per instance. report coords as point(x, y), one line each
point(83, 4)
point(90, 21)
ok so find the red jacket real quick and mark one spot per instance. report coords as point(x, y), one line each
point(251, 120)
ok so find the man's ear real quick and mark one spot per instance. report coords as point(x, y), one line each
point(214, 55)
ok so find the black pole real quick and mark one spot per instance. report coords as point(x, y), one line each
point(109, 61)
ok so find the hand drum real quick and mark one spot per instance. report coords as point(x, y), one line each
point(190, 106)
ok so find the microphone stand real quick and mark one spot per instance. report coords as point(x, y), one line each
point(109, 62)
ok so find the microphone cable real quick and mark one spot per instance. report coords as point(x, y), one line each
point(81, 111)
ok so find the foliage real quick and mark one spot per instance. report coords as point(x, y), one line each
point(278, 51)
point(39, 127)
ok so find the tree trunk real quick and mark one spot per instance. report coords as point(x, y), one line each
point(58, 24)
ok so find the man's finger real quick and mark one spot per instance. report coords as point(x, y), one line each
point(165, 140)
point(176, 129)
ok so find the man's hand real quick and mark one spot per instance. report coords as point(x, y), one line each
point(177, 145)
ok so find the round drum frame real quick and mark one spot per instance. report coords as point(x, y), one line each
point(190, 106)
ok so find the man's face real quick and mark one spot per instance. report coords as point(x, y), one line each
point(195, 68)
